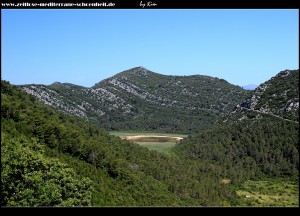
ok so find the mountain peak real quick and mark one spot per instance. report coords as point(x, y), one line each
point(140, 71)
point(285, 73)
point(133, 72)
point(56, 83)
point(65, 84)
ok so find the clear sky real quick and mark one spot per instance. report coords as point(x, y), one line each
point(86, 46)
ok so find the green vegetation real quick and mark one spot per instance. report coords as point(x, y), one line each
point(49, 158)
point(269, 192)
point(30, 178)
point(165, 148)
point(251, 143)
point(79, 164)
point(247, 148)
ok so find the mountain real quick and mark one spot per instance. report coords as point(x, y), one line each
point(259, 138)
point(139, 99)
point(250, 87)
point(278, 96)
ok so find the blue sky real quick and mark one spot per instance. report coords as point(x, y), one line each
point(86, 46)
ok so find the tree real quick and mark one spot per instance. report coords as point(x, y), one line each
point(29, 178)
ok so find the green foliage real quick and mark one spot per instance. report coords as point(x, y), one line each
point(269, 192)
point(121, 173)
point(165, 148)
point(29, 178)
point(247, 148)
point(49, 158)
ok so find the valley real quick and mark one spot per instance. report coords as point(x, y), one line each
point(125, 107)
point(160, 142)
point(141, 138)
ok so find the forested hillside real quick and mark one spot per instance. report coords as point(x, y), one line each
point(49, 158)
point(247, 148)
point(259, 138)
point(139, 99)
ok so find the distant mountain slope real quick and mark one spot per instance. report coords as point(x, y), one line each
point(249, 87)
point(139, 99)
point(278, 96)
